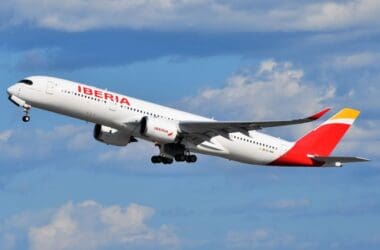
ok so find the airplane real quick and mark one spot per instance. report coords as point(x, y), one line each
point(120, 120)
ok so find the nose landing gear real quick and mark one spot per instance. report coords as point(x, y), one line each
point(26, 117)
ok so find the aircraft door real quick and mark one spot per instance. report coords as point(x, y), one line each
point(50, 87)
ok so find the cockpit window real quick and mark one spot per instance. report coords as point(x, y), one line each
point(26, 81)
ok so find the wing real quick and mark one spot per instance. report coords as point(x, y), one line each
point(337, 161)
point(203, 130)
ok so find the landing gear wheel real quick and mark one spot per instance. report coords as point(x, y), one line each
point(161, 159)
point(167, 160)
point(180, 158)
point(26, 118)
point(191, 158)
point(156, 159)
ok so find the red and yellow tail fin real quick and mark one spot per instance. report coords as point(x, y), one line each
point(321, 141)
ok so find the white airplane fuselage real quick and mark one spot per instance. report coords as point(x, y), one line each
point(118, 111)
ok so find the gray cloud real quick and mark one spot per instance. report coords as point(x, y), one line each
point(354, 61)
point(194, 15)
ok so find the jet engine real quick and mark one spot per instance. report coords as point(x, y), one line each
point(112, 136)
point(160, 130)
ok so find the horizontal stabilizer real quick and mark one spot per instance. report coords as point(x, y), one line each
point(336, 161)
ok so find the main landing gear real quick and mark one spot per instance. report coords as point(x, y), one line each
point(188, 158)
point(178, 158)
point(26, 117)
point(161, 159)
point(171, 152)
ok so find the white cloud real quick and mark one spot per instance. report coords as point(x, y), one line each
point(340, 14)
point(259, 239)
point(74, 141)
point(90, 225)
point(5, 135)
point(358, 60)
point(43, 142)
point(79, 15)
point(362, 140)
point(87, 225)
point(273, 90)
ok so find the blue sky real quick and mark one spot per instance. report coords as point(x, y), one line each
point(241, 60)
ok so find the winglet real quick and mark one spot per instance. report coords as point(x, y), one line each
point(319, 114)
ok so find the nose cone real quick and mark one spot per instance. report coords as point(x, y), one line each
point(11, 90)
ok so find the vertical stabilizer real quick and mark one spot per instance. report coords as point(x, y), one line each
point(321, 141)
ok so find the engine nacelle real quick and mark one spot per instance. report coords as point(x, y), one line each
point(111, 136)
point(159, 130)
